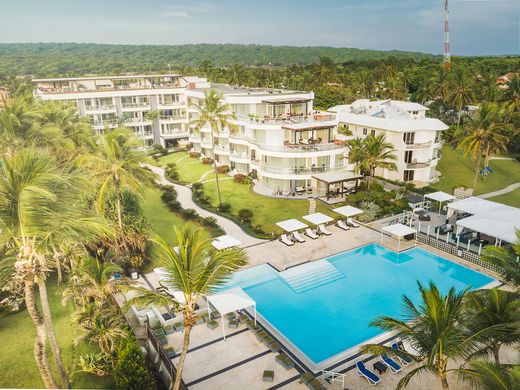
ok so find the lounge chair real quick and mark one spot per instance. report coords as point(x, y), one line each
point(298, 238)
point(361, 370)
point(405, 360)
point(323, 230)
point(390, 363)
point(286, 240)
point(351, 222)
point(342, 225)
point(310, 233)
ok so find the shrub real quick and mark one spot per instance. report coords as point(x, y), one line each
point(209, 221)
point(223, 169)
point(99, 364)
point(257, 229)
point(158, 148)
point(194, 154)
point(174, 205)
point(207, 160)
point(224, 207)
point(245, 215)
point(241, 179)
point(197, 186)
point(167, 196)
point(189, 214)
point(131, 371)
point(370, 212)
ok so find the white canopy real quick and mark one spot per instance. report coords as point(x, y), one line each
point(348, 211)
point(317, 218)
point(224, 242)
point(474, 205)
point(439, 196)
point(399, 230)
point(230, 301)
point(291, 225)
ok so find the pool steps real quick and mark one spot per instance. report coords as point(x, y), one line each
point(311, 275)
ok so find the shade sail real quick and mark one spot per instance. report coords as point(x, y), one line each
point(317, 218)
point(399, 230)
point(337, 177)
point(348, 211)
point(230, 301)
point(439, 196)
point(224, 242)
point(290, 225)
point(474, 205)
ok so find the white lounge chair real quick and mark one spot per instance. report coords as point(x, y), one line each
point(310, 233)
point(323, 230)
point(297, 237)
point(342, 225)
point(286, 240)
point(351, 222)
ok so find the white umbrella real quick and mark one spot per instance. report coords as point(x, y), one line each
point(224, 242)
point(291, 225)
point(348, 211)
point(318, 218)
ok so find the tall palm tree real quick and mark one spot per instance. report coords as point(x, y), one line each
point(486, 308)
point(196, 270)
point(488, 376)
point(216, 114)
point(40, 208)
point(371, 153)
point(461, 92)
point(434, 331)
point(440, 85)
point(484, 134)
point(506, 261)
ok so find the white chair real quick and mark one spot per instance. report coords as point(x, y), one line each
point(342, 225)
point(351, 222)
point(298, 238)
point(323, 230)
point(285, 240)
point(310, 233)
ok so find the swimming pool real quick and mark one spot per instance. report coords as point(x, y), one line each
point(323, 308)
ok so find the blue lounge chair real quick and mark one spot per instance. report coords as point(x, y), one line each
point(488, 168)
point(405, 360)
point(372, 378)
point(391, 363)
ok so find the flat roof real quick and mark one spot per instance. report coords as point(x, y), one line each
point(399, 230)
point(286, 101)
point(337, 177)
point(290, 225)
point(126, 77)
point(226, 89)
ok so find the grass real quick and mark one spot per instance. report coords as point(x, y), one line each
point(512, 198)
point(190, 169)
point(17, 363)
point(457, 169)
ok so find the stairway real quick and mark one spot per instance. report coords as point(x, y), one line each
point(311, 275)
point(312, 206)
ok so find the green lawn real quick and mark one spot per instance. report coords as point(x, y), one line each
point(17, 366)
point(511, 198)
point(457, 169)
point(190, 169)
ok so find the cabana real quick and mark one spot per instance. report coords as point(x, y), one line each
point(318, 218)
point(230, 301)
point(291, 225)
point(348, 211)
point(224, 242)
point(440, 197)
point(399, 230)
point(340, 177)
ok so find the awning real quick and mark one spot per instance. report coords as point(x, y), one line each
point(474, 205)
point(337, 177)
point(439, 196)
point(348, 211)
point(399, 230)
point(230, 301)
point(494, 227)
point(291, 225)
point(317, 218)
point(285, 100)
point(224, 242)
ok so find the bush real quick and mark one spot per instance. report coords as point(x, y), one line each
point(223, 169)
point(370, 212)
point(158, 148)
point(224, 207)
point(189, 214)
point(131, 371)
point(209, 222)
point(245, 215)
point(194, 154)
point(207, 160)
point(174, 205)
point(197, 186)
point(241, 178)
point(168, 196)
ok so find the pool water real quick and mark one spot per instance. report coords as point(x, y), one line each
point(324, 307)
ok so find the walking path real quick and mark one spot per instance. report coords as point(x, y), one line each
point(503, 191)
point(184, 196)
point(312, 206)
point(204, 175)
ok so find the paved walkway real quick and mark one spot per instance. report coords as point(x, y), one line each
point(503, 191)
point(184, 196)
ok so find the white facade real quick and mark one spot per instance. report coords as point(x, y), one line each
point(153, 106)
point(279, 138)
point(416, 138)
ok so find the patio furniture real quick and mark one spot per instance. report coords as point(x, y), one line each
point(212, 324)
point(298, 238)
point(285, 240)
point(323, 230)
point(307, 377)
point(268, 376)
point(391, 363)
point(242, 318)
point(230, 316)
point(284, 360)
point(275, 346)
point(170, 352)
point(261, 335)
point(310, 233)
point(342, 225)
point(233, 324)
point(379, 367)
point(351, 222)
point(371, 378)
point(405, 360)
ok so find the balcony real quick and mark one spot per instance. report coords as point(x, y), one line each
point(174, 134)
point(205, 143)
point(101, 107)
point(291, 148)
point(419, 145)
point(143, 105)
point(418, 164)
point(44, 90)
point(239, 157)
point(194, 138)
point(171, 118)
point(221, 149)
point(301, 170)
point(316, 117)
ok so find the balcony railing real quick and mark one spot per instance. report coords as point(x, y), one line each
point(100, 107)
point(418, 164)
point(292, 148)
point(122, 87)
point(170, 118)
point(318, 117)
point(301, 170)
point(136, 105)
point(419, 145)
point(239, 156)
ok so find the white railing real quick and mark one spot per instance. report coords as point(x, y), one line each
point(136, 105)
point(100, 107)
point(318, 117)
point(302, 170)
point(419, 145)
point(291, 148)
point(334, 378)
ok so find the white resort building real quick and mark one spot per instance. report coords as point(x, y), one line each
point(416, 138)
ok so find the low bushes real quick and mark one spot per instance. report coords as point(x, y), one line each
point(223, 169)
point(194, 154)
point(171, 173)
point(224, 207)
point(207, 160)
point(241, 179)
point(245, 215)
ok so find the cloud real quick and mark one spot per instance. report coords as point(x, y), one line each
point(172, 13)
point(189, 10)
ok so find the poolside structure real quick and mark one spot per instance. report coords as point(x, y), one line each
point(400, 231)
point(230, 301)
point(348, 211)
point(291, 225)
point(324, 181)
point(318, 218)
point(224, 242)
point(440, 197)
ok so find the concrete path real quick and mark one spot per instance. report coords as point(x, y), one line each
point(184, 196)
point(503, 191)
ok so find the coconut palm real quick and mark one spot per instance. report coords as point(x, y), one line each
point(484, 134)
point(40, 209)
point(461, 91)
point(506, 261)
point(433, 331)
point(196, 270)
point(488, 376)
point(216, 114)
point(371, 153)
point(486, 308)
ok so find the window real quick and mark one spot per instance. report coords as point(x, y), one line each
point(408, 175)
point(408, 156)
point(373, 133)
point(365, 131)
point(409, 138)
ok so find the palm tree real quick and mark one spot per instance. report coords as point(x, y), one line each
point(484, 134)
point(236, 74)
point(486, 308)
point(371, 153)
point(196, 270)
point(506, 261)
point(216, 114)
point(489, 376)
point(434, 332)
point(40, 209)
point(462, 92)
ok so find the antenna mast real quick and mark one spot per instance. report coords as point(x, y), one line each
point(447, 59)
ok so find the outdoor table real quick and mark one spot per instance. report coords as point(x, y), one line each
point(379, 367)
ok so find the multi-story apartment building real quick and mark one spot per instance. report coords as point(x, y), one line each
point(278, 137)
point(416, 138)
point(153, 106)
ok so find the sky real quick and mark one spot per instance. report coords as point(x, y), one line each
point(478, 27)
